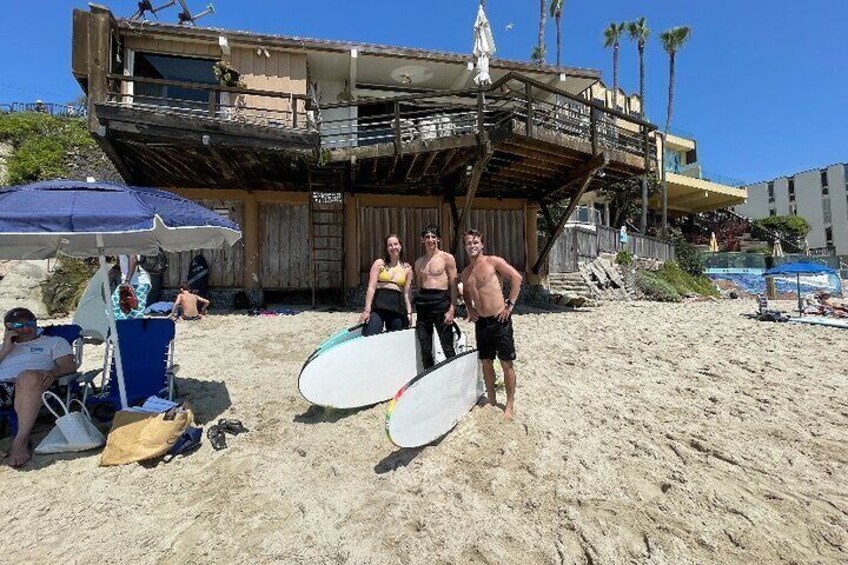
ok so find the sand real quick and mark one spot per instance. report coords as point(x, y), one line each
point(649, 433)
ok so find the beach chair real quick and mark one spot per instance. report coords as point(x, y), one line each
point(69, 383)
point(147, 354)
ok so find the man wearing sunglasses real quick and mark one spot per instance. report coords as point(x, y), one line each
point(29, 365)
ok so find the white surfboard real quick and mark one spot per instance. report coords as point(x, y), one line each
point(361, 372)
point(337, 338)
point(431, 404)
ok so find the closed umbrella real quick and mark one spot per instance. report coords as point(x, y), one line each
point(713, 242)
point(484, 47)
point(87, 219)
point(777, 250)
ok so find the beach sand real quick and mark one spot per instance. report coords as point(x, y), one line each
point(660, 433)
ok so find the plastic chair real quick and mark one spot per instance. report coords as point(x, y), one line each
point(147, 354)
point(71, 334)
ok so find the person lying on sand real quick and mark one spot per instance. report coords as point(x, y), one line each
point(483, 293)
point(29, 365)
point(836, 307)
point(185, 305)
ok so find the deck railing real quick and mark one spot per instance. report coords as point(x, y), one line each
point(212, 101)
point(515, 100)
point(530, 105)
point(576, 245)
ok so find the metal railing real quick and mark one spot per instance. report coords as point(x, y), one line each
point(51, 108)
point(231, 104)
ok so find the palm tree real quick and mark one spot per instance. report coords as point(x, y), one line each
point(538, 54)
point(612, 38)
point(639, 32)
point(672, 40)
point(556, 14)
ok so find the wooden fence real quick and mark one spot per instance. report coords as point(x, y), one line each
point(577, 244)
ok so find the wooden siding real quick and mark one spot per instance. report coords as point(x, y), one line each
point(226, 265)
point(375, 223)
point(503, 234)
point(284, 246)
point(279, 72)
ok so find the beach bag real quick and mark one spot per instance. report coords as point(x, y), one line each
point(127, 299)
point(73, 431)
point(139, 436)
point(154, 264)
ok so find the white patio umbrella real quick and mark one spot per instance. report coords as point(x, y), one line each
point(484, 47)
point(777, 251)
point(89, 219)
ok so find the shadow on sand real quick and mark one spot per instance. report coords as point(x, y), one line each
point(322, 415)
point(402, 457)
point(208, 399)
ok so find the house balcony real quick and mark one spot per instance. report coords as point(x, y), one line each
point(533, 135)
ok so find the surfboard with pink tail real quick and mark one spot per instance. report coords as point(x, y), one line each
point(431, 404)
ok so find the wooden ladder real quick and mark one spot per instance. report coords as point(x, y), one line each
point(326, 218)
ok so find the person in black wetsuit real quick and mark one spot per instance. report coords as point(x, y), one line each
point(387, 302)
point(435, 273)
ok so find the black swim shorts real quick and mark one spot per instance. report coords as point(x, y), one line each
point(494, 337)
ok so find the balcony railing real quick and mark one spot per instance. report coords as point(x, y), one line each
point(199, 100)
point(523, 102)
point(515, 101)
point(686, 170)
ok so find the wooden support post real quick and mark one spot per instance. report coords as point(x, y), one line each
point(210, 102)
point(250, 233)
point(294, 112)
point(572, 204)
point(447, 224)
point(481, 115)
point(531, 239)
point(473, 183)
point(643, 221)
point(99, 32)
point(593, 124)
point(351, 241)
point(528, 126)
point(397, 127)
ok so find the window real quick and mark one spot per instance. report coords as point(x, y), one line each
point(772, 212)
point(828, 236)
point(825, 190)
point(826, 210)
point(791, 190)
point(178, 69)
point(771, 193)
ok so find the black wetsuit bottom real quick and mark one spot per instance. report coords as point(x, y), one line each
point(431, 306)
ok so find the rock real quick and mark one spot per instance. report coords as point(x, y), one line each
point(21, 286)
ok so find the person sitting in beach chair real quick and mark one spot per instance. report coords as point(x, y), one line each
point(186, 305)
point(30, 364)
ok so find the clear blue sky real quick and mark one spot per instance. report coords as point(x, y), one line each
point(762, 84)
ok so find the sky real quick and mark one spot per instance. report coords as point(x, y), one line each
point(762, 84)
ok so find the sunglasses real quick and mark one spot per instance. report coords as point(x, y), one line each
point(20, 325)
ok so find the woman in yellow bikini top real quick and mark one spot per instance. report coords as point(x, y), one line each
point(387, 301)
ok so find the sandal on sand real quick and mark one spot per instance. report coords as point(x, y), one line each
point(216, 437)
point(234, 427)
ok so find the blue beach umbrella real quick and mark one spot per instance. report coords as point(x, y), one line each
point(90, 219)
point(799, 270)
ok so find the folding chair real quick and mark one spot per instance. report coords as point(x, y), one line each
point(71, 334)
point(147, 355)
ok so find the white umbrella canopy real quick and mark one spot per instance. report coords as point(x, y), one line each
point(484, 47)
point(90, 219)
point(777, 251)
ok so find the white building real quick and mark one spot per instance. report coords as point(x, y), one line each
point(820, 196)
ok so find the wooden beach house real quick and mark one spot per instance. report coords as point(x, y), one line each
point(320, 148)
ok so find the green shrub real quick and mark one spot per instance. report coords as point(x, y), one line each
point(624, 258)
point(688, 257)
point(656, 288)
point(685, 283)
point(42, 144)
point(791, 227)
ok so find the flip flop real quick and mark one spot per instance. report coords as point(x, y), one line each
point(216, 437)
point(234, 427)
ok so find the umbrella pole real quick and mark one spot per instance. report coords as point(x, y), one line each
point(800, 302)
point(113, 330)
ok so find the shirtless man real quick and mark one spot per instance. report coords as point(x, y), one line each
point(185, 306)
point(483, 294)
point(435, 274)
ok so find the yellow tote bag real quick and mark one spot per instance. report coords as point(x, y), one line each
point(139, 436)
